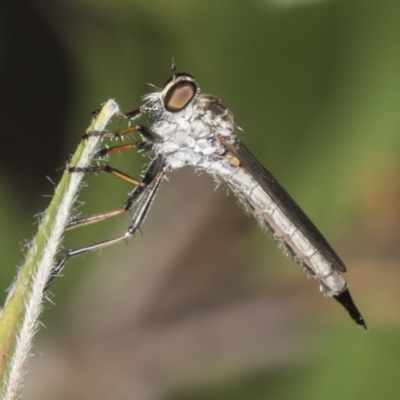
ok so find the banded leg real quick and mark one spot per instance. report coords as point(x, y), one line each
point(122, 147)
point(109, 169)
point(149, 176)
point(145, 132)
point(146, 199)
point(132, 201)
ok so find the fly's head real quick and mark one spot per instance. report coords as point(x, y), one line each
point(176, 95)
point(178, 92)
point(179, 107)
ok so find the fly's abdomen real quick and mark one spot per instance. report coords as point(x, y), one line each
point(285, 232)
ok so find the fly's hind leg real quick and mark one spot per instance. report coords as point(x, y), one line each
point(141, 198)
point(132, 201)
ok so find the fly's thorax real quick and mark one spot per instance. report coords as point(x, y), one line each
point(190, 136)
point(187, 143)
point(216, 113)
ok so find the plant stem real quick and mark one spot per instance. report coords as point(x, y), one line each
point(19, 317)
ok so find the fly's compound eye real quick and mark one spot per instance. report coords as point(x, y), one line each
point(179, 94)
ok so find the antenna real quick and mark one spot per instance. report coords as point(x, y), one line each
point(173, 68)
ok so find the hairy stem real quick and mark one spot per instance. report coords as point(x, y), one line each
point(19, 317)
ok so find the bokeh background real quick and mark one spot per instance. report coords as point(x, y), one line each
point(202, 305)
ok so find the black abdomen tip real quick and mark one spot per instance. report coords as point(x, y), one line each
point(347, 302)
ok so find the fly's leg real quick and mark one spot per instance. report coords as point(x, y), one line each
point(141, 185)
point(109, 169)
point(145, 132)
point(142, 197)
point(133, 199)
point(122, 147)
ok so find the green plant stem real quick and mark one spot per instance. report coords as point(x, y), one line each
point(19, 317)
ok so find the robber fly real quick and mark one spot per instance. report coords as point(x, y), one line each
point(196, 129)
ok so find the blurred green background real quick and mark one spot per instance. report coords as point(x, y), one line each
point(202, 305)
